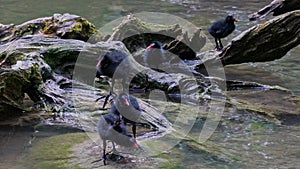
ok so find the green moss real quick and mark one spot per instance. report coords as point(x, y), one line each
point(83, 30)
point(170, 165)
point(32, 27)
point(2, 56)
point(21, 57)
point(257, 148)
point(102, 85)
point(259, 125)
point(54, 152)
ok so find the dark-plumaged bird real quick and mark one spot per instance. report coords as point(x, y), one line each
point(110, 65)
point(128, 107)
point(111, 127)
point(221, 29)
point(154, 55)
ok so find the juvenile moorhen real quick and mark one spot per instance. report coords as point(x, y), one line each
point(221, 29)
point(128, 107)
point(154, 55)
point(111, 127)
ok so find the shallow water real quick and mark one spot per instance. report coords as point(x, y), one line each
point(259, 144)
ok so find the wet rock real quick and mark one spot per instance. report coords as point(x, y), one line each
point(278, 7)
point(136, 34)
point(275, 105)
point(23, 77)
point(25, 69)
point(43, 67)
point(66, 26)
point(264, 42)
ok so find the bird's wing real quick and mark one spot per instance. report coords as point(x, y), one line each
point(134, 103)
point(217, 28)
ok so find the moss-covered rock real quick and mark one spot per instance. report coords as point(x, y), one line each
point(24, 77)
point(69, 26)
point(37, 61)
point(137, 34)
point(66, 26)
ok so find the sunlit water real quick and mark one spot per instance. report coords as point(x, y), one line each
point(259, 144)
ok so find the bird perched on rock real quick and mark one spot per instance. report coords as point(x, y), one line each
point(111, 127)
point(114, 64)
point(128, 107)
point(108, 63)
point(154, 55)
point(221, 29)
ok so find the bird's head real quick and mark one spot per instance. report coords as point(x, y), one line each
point(98, 67)
point(111, 59)
point(124, 99)
point(102, 62)
point(155, 45)
point(230, 19)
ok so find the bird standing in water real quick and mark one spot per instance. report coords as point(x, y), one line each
point(128, 107)
point(111, 127)
point(221, 29)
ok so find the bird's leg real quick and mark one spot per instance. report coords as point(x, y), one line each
point(221, 45)
point(134, 130)
point(114, 148)
point(147, 82)
point(106, 96)
point(106, 99)
point(103, 153)
point(217, 44)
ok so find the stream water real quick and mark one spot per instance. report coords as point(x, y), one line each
point(258, 143)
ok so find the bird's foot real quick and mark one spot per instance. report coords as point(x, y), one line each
point(115, 157)
point(104, 160)
point(140, 148)
point(96, 160)
point(113, 151)
point(217, 48)
point(105, 101)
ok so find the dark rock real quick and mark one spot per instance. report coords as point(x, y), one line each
point(278, 7)
point(66, 26)
point(136, 34)
point(264, 42)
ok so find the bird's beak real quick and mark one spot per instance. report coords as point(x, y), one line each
point(235, 20)
point(99, 64)
point(149, 47)
point(135, 145)
point(126, 102)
